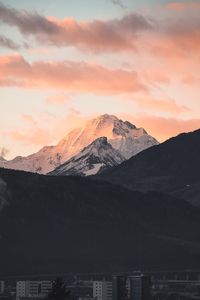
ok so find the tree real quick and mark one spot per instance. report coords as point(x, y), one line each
point(58, 291)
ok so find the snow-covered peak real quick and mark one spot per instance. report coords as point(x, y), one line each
point(124, 137)
point(101, 149)
point(101, 121)
point(93, 159)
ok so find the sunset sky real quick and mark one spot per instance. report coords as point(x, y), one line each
point(64, 61)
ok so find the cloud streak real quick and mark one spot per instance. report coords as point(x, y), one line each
point(33, 133)
point(164, 105)
point(27, 23)
point(177, 34)
point(163, 128)
point(8, 43)
point(111, 35)
point(119, 3)
point(69, 76)
point(180, 6)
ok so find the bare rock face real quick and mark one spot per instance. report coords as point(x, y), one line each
point(93, 159)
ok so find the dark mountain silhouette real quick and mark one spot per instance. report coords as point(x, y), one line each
point(71, 224)
point(172, 167)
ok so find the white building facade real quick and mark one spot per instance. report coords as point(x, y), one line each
point(32, 289)
point(102, 290)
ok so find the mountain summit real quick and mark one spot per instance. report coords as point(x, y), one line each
point(124, 137)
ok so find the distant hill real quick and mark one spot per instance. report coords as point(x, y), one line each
point(172, 167)
point(71, 224)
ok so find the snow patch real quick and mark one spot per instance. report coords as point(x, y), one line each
point(96, 168)
point(125, 138)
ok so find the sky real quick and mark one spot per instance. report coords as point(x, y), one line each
point(65, 61)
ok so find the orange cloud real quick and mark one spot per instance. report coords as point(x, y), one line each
point(28, 119)
point(33, 133)
point(72, 76)
point(179, 6)
point(163, 128)
point(191, 80)
point(155, 76)
point(165, 105)
point(32, 136)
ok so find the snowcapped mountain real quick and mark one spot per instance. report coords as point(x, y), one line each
point(93, 159)
point(123, 137)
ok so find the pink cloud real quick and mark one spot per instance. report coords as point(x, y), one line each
point(32, 133)
point(155, 76)
point(173, 36)
point(94, 36)
point(164, 105)
point(163, 128)
point(32, 136)
point(191, 80)
point(180, 6)
point(71, 76)
point(28, 119)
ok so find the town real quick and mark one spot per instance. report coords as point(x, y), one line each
point(171, 285)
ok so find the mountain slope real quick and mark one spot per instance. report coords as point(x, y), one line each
point(64, 224)
point(123, 136)
point(93, 159)
point(173, 166)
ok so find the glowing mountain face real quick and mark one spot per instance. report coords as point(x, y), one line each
point(93, 159)
point(122, 136)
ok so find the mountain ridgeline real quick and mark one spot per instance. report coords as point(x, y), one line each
point(125, 140)
point(172, 167)
point(93, 159)
point(55, 224)
point(132, 215)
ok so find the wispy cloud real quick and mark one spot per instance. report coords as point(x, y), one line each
point(163, 128)
point(175, 35)
point(69, 76)
point(34, 133)
point(163, 105)
point(26, 22)
point(111, 35)
point(119, 3)
point(8, 43)
point(180, 6)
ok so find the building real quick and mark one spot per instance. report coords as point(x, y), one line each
point(102, 290)
point(120, 288)
point(140, 287)
point(32, 289)
point(81, 289)
point(87, 298)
